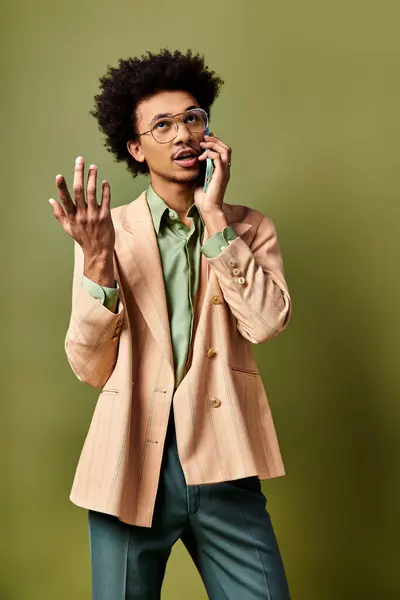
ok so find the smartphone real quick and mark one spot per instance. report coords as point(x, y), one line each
point(209, 168)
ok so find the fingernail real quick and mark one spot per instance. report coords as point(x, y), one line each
point(79, 160)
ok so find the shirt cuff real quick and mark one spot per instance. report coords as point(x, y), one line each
point(218, 242)
point(106, 295)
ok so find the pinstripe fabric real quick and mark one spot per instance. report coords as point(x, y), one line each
point(224, 425)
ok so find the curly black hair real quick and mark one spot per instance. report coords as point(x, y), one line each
point(123, 87)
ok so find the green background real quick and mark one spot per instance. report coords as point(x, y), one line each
point(310, 107)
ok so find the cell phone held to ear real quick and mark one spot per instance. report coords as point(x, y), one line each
point(209, 168)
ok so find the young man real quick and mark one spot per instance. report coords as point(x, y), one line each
point(169, 294)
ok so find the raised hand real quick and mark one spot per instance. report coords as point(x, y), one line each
point(87, 222)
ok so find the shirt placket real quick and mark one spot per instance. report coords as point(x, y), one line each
point(189, 257)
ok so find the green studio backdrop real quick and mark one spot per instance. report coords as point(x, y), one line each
point(310, 107)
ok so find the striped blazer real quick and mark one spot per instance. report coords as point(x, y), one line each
point(224, 425)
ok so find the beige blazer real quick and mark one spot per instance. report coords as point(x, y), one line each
point(223, 421)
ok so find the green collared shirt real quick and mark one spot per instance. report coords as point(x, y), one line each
point(180, 249)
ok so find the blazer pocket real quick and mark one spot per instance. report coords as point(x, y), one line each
point(246, 371)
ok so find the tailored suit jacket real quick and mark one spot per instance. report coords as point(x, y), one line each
point(223, 420)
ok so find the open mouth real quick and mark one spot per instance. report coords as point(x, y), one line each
point(187, 160)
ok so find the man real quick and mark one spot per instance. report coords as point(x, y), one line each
point(169, 294)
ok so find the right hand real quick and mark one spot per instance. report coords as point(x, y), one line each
point(88, 223)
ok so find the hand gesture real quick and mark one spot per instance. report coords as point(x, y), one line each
point(87, 222)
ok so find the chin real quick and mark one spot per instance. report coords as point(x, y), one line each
point(188, 177)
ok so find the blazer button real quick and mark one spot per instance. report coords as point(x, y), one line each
point(216, 402)
point(116, 338)
point(216, 299)
point(211, 352)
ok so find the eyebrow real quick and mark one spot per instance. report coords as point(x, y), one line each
point(162, 115)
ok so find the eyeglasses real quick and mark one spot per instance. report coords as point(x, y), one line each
point(165, 129)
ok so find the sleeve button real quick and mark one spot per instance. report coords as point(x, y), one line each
point(241, 280)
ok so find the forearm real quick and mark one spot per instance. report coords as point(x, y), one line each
point(253, 283)
point(99, 269)
point(92, 339)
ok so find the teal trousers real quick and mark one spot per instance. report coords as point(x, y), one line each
point(225, 527)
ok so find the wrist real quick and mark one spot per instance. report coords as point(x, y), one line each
point(215, 221)
point(100, 269)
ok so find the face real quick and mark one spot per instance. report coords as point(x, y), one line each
point(160, 157)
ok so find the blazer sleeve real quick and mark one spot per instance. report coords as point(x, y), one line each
point(106, 295)
point(253, 283)
point(92, 338)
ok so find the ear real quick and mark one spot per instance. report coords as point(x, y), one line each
point(135, 149)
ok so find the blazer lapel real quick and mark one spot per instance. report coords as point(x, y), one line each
point(140, 260)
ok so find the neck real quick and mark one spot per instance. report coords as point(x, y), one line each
point(178, 196)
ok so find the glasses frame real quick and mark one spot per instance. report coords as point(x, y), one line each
point(177, 124)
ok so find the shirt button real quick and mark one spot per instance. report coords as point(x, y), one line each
point(236, 271)
point(216, 402)
point(172, 214)
point(232, 263)
point(241, 280)
point(216, 299)
point(223, 247)
point(211, 352)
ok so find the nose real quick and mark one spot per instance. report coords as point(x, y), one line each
point(184, 134)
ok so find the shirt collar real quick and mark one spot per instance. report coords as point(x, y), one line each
point(159, 208)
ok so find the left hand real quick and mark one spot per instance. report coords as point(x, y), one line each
point(211, 200)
